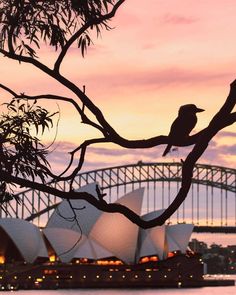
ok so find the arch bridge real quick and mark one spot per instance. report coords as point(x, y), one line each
point(210, 204)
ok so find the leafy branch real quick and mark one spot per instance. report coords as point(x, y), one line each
point(21, 152)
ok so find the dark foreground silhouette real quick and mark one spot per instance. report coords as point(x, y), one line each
point(183, 124)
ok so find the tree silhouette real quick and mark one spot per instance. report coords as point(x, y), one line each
point(26, 25)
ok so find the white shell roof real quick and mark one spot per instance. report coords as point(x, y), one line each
point(177, 236)
point(69, 244)
point(85, 250)
point(63, 241)
point(152, 241)
point(115, 232)
point(86, 217)
point(104, 234)
point(89, 248)
point(26, 237)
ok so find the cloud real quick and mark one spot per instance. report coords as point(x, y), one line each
point(181, 76)
point(226, 134)
point(227, 149)
point(176, 19)
point(102, 157)
point(159, 77)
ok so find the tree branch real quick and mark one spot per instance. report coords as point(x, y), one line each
point(8, 90)
point(201, 140)
point(216, 124)
point(83, 148)
point(27, 59)
point(90, 23)
point(219, 121)
point(100, 203)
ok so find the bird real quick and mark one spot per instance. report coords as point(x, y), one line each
point(183, 124)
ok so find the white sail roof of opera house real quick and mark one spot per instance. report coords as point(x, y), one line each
point(152, 241)
point(87, 217)
point(106, 234)
point(115, 232)
point(177, 236)
point(64, 242)
point(26, 237)
point(89, 248)
point(69, 244)
point(112, 234)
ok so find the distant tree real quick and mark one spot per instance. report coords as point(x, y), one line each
point(24, 26)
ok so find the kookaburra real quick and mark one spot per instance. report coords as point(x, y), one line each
point(183, 124)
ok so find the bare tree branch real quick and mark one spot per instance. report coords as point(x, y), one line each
point(8, 90)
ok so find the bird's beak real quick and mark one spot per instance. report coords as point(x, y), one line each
point(199, 110)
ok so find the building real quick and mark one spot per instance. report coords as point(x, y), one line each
point(97, 243)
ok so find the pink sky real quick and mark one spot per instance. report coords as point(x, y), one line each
point(160, 55)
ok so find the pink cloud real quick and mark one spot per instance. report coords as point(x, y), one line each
point(226, 134)
point(160, 77)
point(178, 19)
point(102, 157)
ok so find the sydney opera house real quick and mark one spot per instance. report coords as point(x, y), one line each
point(95, 248)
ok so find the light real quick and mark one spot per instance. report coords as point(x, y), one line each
point(39, 280)
point(107, 262)
point(110, 276)
point(144, 260)
point(2, 259)
point(179, 284)
point(149, 276)
point(136, 276)
point(15, 277)
point(97, 276)
point(57, 277)
point(123, 276)
point(71, 277)
point(52, 258)
point(29, 277)
point(153, 258)
point(170, 254)
point(165, 276)
point(84, 277)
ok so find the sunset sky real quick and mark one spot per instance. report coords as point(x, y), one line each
point(161, 54)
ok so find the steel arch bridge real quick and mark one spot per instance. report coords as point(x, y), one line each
point(210, 204)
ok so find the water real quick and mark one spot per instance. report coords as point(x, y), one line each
point(197, 291)
point(231, 290)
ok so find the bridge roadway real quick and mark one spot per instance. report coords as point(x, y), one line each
point(215, 229)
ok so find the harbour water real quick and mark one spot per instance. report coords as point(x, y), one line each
point(196, 291)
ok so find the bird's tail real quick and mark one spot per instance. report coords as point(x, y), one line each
point(166, 151)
